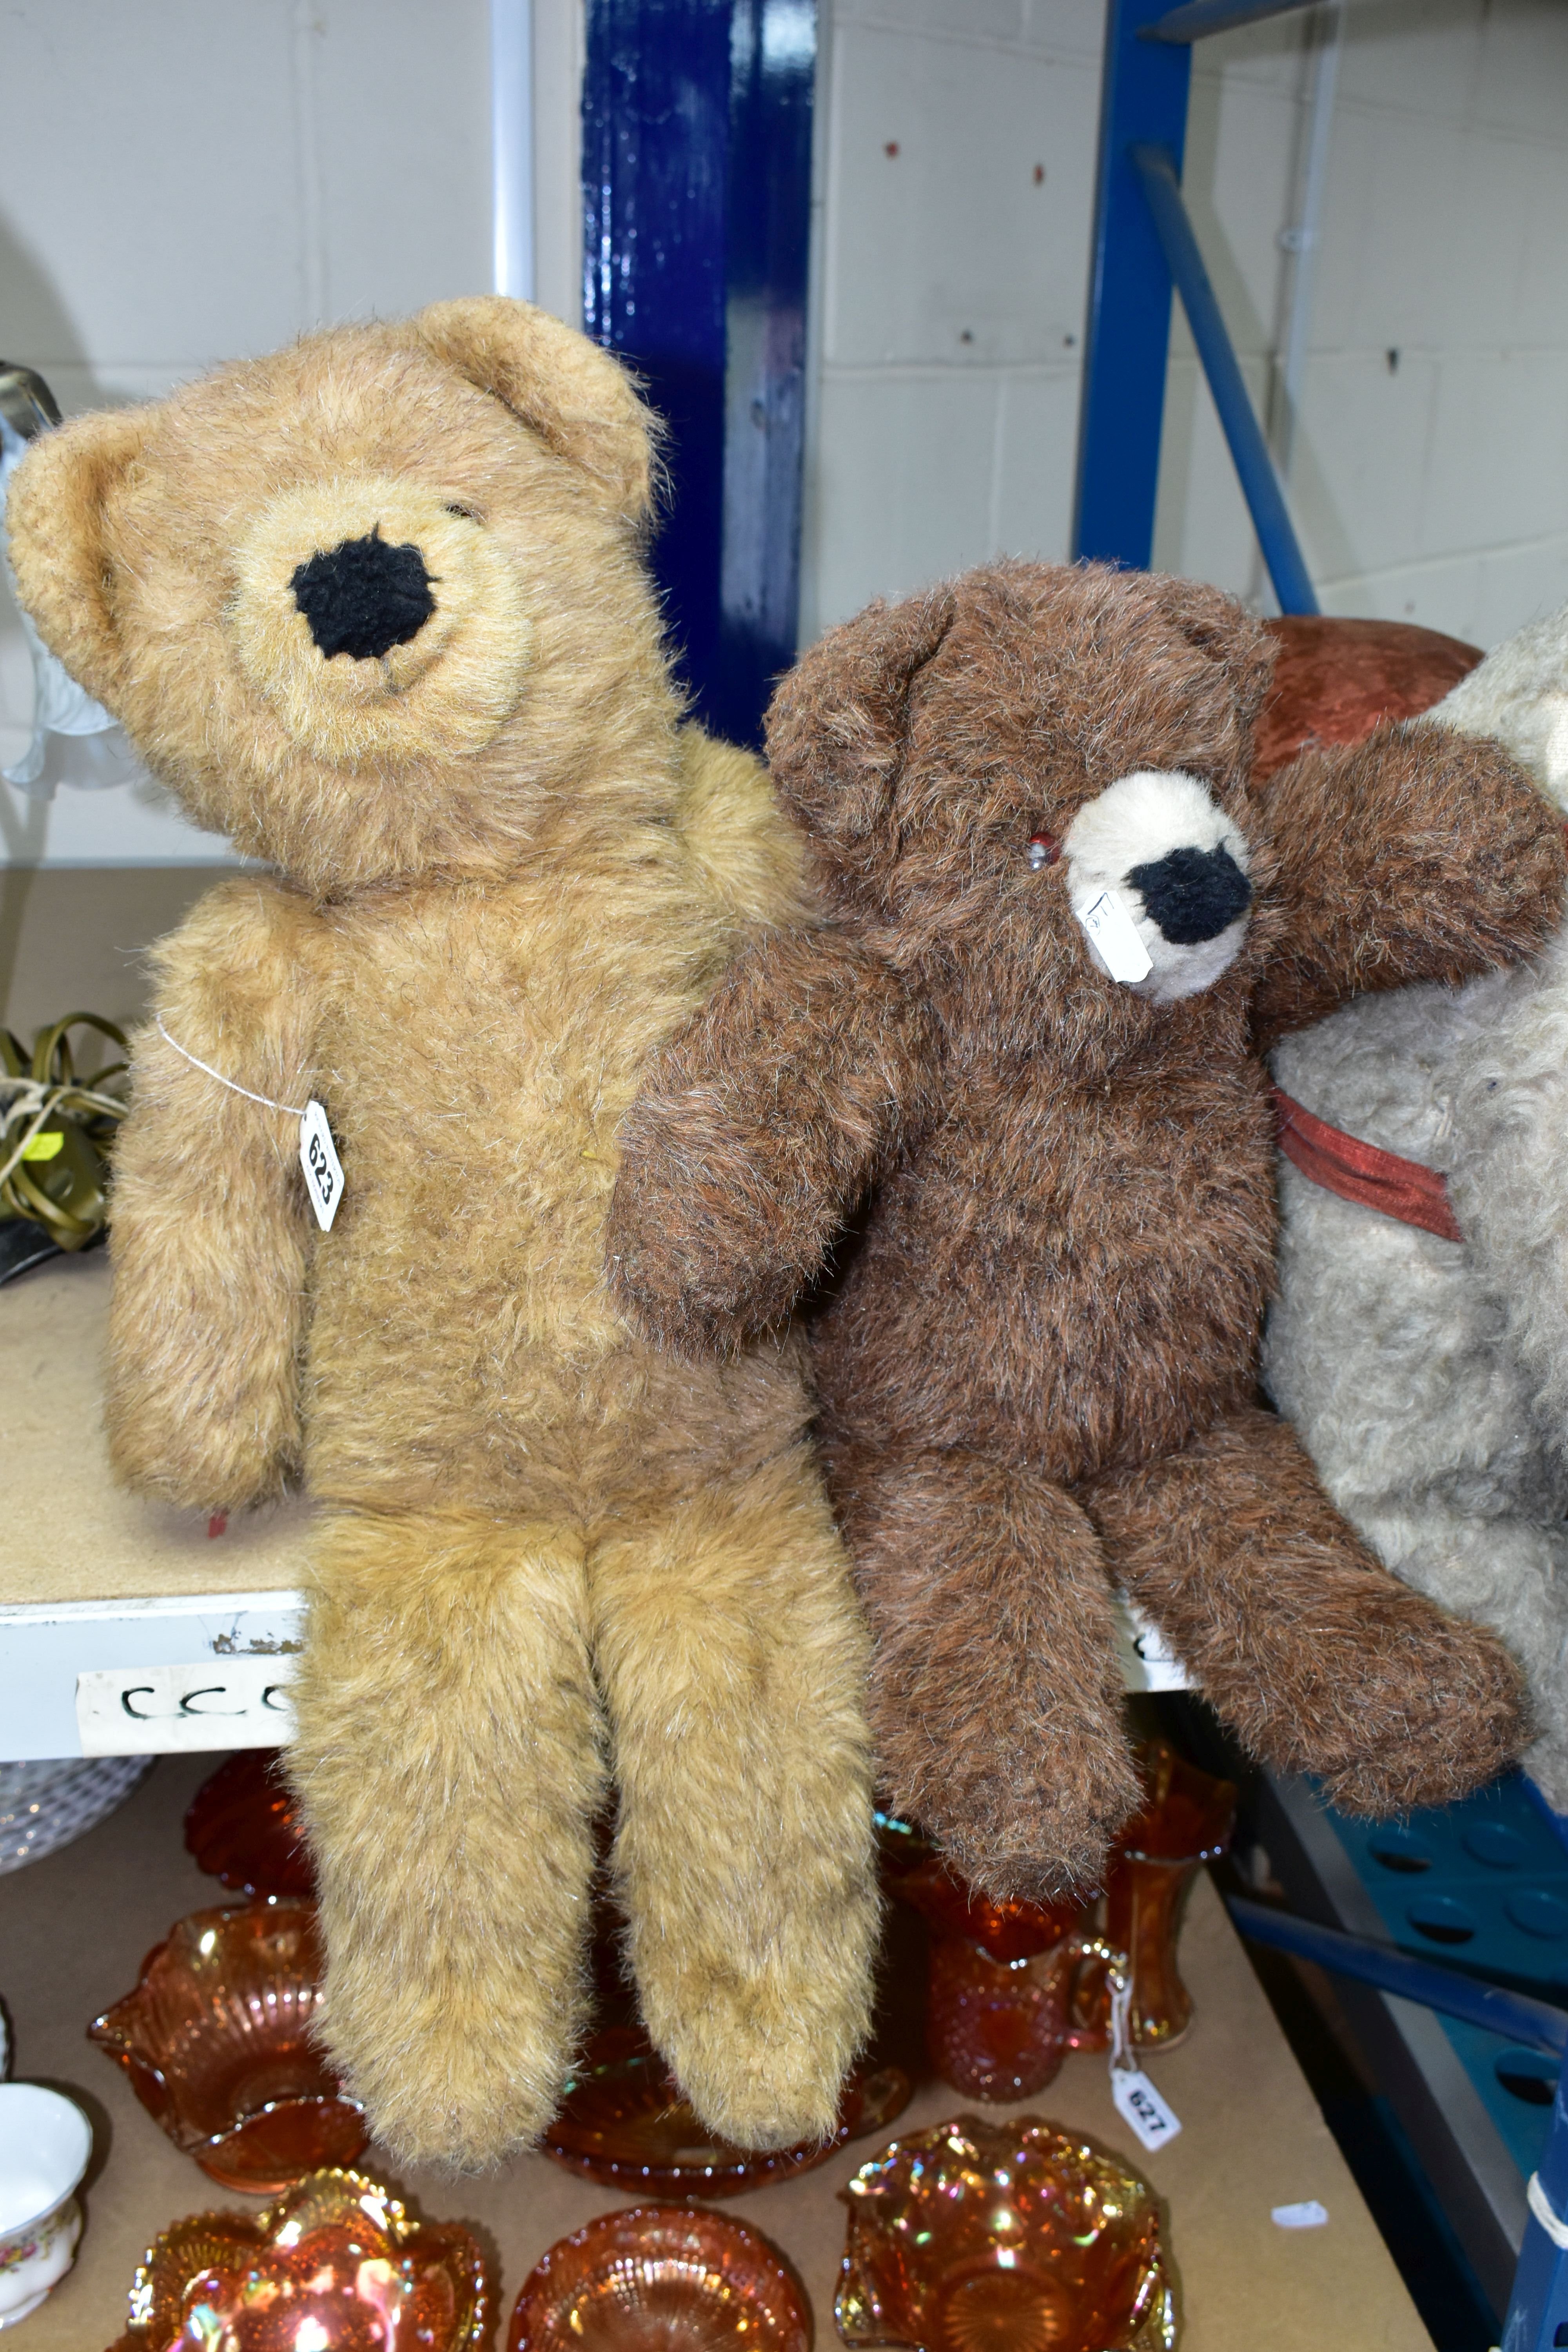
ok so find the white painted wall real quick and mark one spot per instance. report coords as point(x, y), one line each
point(949, 295)
point(1431, 468)
point(1435, 488)
point(188, 180)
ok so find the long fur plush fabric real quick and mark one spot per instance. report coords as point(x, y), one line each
point(550, 1561)
point(1428, 1378)
point(1040, 1202)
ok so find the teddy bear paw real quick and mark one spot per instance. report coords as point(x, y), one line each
point(455, 2084)
point(1449, 1717)
point(1040, 1837)
point(760, 2090)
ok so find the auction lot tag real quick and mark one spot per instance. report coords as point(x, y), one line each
point(1139, 2103)
point(318, 1159)
point(1115, 937)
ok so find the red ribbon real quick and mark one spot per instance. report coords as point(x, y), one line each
point(1358, 1171)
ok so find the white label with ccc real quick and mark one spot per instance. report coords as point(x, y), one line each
point(240, 1702)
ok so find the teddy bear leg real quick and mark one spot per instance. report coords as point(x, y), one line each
point(448, 1764)
point(733, 1660)
point(995, 1695)
point(1298, 1636)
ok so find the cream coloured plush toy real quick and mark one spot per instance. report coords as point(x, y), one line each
point(375, 609)
point(1428, 1375)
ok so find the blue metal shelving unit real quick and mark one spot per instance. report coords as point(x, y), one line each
point(1475, 2073)
point(1144, 247)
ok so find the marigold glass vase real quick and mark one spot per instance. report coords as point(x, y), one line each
point(1187, 1820)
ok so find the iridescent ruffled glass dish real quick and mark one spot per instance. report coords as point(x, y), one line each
point(335, 2266)
point(1010, 2238)
point(660, 2279)
point(216, 2039)
point(624, 2124)
point(243, 1827)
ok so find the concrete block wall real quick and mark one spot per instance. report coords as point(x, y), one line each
point(1430, 465)
point(191, 179)
point(955, 159)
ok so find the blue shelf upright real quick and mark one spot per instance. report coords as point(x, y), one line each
point(1144, 248)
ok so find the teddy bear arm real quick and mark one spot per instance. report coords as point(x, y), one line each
point(208, 1220)
point(757, 1131)
point(1415, 856)
point(750, 859)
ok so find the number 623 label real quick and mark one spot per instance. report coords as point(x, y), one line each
point(318, 1159)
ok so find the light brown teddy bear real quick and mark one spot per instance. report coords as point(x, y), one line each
point(374, 608)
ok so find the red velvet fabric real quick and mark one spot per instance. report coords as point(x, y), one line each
point(1334, 680)
point(1360, 1171)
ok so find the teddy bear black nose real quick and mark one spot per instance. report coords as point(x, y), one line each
point(1192, 894)
point(363, 597)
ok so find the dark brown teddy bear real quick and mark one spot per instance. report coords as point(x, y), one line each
point(1038, 1199)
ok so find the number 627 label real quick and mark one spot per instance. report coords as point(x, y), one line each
point(318, 1159)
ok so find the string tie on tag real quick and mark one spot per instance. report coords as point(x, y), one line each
point(317, 1153)
point(1137, 2101)
point(1121, 2007)
point(232, 1083)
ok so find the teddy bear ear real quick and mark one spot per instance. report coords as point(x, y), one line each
point(837, 730)
point(1228, 633)
point(55, 521)
point(579, 399)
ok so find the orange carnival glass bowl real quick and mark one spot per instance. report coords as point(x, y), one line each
point(1013, 2237)
point(335, 2266)
point(243, 1828)
point(216, 2039)
point(661, 2278)
point(622, 2123)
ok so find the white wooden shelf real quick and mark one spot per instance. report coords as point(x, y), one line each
point(126, 1629)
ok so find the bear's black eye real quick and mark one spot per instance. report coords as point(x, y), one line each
point(468, 514)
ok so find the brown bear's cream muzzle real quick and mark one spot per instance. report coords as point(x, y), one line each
point(378, 622)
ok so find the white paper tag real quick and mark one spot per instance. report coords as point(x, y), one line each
point(1140, 2103)
point(1308, 2215)
point(318, 1159)
point(1115, 937)
point(240, 1702)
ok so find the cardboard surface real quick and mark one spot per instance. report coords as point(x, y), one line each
point(75, 1926)
point(68, 1533)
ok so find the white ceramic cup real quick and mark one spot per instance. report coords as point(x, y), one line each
point(45, 2143)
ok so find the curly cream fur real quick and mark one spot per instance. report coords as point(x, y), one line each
point(549, 1558)
point(1429, 1379)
